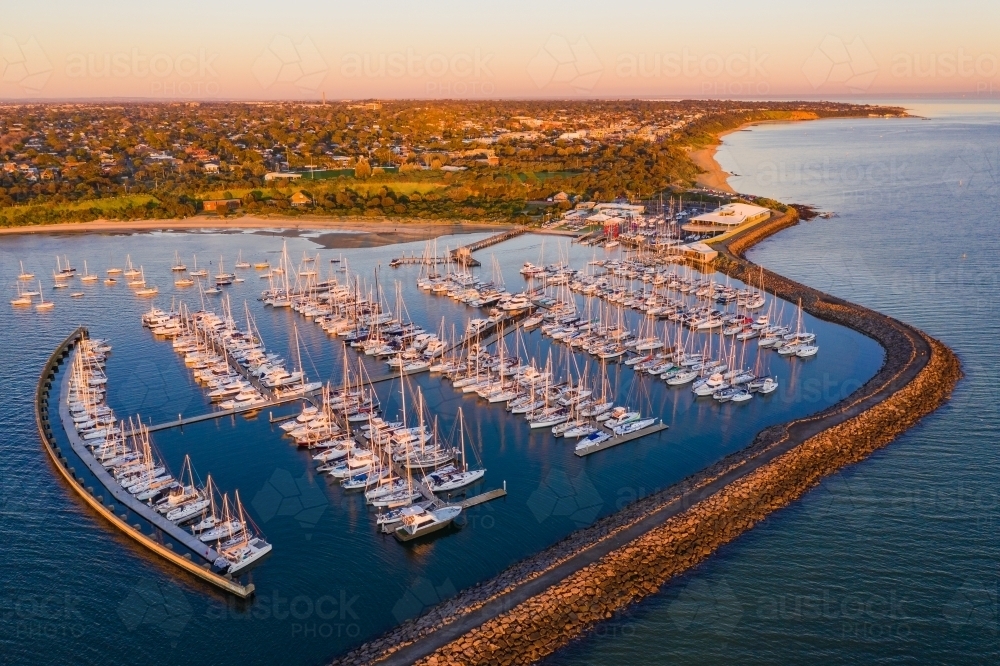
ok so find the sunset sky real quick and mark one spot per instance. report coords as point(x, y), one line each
point(513, 49)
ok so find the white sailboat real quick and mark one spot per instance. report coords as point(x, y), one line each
point(178, 264)
point(87, 275)
point(22, 300)
point(197, 272)
point(43, 304)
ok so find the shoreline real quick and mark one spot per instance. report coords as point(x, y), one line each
point(713, 176)
point(345, 233)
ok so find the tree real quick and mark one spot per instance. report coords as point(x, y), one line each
point(362, 169)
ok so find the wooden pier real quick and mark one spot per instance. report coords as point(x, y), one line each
point(460, 255)
point(615, 441)
point(463, 255)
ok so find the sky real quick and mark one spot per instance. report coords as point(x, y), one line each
point(435, 49)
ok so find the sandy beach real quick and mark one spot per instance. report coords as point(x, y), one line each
point(342, 232)
point(704, 158)
point(714, 178)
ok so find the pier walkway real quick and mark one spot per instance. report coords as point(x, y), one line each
point(463, 255)
point(460, 255)
point(218, 414)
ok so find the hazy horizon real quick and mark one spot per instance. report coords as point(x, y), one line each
point(448, 50)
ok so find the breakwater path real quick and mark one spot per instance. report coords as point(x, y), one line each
point(547, 600)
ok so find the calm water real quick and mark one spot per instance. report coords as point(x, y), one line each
point(895, 559)
point(72, 588)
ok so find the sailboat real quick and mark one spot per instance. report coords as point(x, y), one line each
point(222, 278)
point(244, 549)
point(198, 272)
point(178, 264)
point(444, 481)
point(42, 303)
point(87, 275)
point(24, 274)
point(66, 271)
point(130, 270)
point(240, 263)
point(141, 278)
point(22, 299)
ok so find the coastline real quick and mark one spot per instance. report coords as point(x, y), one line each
point(346, 233)
point(545, 602)
point(713, 177)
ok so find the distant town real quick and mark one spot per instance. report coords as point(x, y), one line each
point(526, 162)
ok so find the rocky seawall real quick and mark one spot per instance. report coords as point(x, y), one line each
point(548, 600)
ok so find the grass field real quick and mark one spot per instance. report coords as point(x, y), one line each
point(320, 187)
point(111, 203)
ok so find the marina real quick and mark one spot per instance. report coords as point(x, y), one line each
point(519, 460)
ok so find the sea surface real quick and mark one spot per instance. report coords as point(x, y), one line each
point(895, 559)
point(74, 590)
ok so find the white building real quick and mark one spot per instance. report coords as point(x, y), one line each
point(698, 252)
point(726, 218)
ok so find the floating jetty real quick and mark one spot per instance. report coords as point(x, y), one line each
point(615, 441)
point(496, 493)
point(218, 414)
